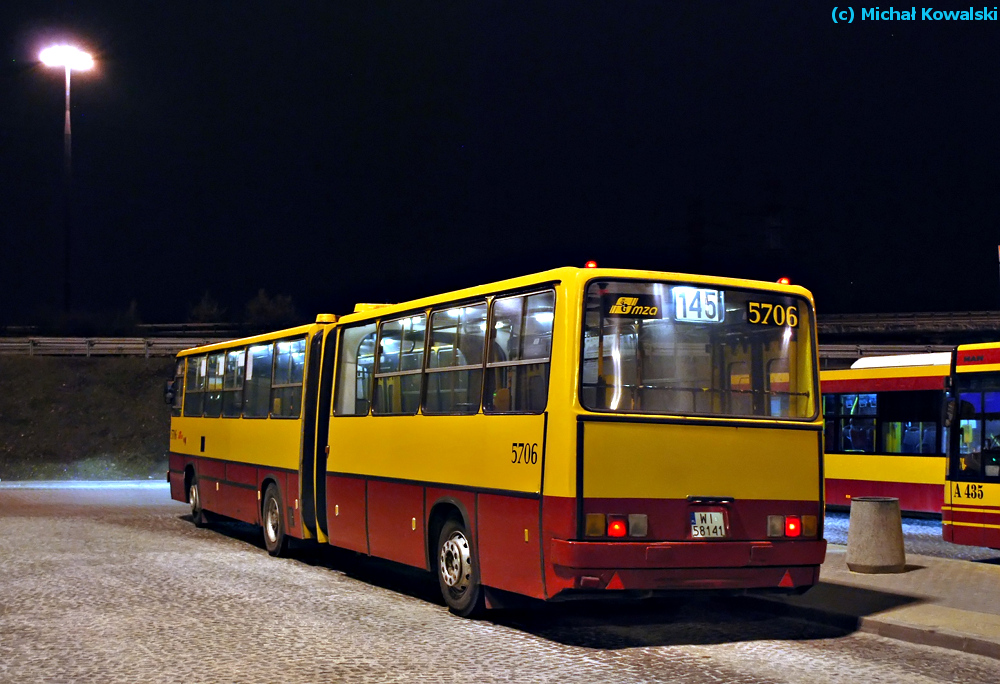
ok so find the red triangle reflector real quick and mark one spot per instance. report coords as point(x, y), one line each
point(786, 580)
point(615, 583)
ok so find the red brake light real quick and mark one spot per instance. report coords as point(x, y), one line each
point(590, 264)
point(793, 526)
point(784, 281)
point(617, 527)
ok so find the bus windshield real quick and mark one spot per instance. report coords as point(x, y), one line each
point(686, 349)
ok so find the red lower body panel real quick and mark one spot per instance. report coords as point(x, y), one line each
point(510, 552)
point(972, 525)
point(914, 497)
point(747, 560)
point(233, 489)
point(395, 522)
point(691, 565)
point(346, 512)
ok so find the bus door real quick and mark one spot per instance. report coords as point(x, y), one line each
point(973, 492)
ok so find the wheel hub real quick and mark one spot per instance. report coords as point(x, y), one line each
point(456, 562)
point(272, 520)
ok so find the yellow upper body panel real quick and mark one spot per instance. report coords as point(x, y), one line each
point(675, 461)
point(886, 468)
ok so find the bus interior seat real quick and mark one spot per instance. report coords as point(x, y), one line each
point(860, 440)
point(911, 440)
point(929, 443)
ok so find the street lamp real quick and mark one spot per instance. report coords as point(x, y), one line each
point(71, 58)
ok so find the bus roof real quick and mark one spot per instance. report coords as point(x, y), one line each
point(978, 358)
point(931, 359)
point(569, 274)
point(898, 373)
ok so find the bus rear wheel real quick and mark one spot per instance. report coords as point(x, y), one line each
point(457, 572)
point(275, 539)
point(198, 514)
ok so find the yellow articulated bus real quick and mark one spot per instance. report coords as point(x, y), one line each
point(971, 510)
point(576, 432)
point(884, 433)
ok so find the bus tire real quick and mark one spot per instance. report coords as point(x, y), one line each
point(198, 514)
point(273, 522)
point(457, 573)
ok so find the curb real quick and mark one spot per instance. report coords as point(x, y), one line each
point(954, 641)
point(884, 627)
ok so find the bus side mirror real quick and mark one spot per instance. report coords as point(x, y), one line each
point(949, 413)
point(169, 392)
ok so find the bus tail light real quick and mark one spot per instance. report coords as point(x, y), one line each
point(631, 525)
point(617, 526)
point(595, 525)
point(792, 525)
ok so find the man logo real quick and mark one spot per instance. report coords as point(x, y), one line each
point(623, 305)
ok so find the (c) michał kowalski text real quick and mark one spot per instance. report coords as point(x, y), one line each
point(928, 14)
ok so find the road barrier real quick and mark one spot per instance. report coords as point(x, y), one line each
point(98, 346)
point(875, 536)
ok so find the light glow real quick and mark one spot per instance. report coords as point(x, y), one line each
point(617, 528)
point(66, 56)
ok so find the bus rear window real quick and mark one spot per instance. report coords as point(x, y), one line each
point(686, 349)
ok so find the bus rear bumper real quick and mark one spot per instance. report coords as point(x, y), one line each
point(686, 565)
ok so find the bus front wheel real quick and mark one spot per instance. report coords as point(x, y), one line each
point(456, 571)
point(275, 539)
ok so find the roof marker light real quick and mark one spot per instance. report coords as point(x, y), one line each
point(784, 281)
point(590, 264)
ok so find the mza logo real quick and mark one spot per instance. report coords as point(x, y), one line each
point(626, 306)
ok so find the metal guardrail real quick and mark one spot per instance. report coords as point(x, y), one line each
point(909, 323)
point(856, 351)
point(99, 346)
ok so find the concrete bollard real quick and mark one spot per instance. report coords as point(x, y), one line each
point(875, 536)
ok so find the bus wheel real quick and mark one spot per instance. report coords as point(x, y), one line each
point(275, 539)
point(457, 575)
point(198, 514)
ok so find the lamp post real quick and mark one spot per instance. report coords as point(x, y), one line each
point(70, 58)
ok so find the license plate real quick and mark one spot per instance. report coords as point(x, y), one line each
point(708, 525)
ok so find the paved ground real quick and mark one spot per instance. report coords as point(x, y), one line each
point(116, 585)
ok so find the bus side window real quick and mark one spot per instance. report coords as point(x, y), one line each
point(194, 385)
point(519, 382)
point(232, 383)
point(178, 389)
point(286, 390)
point(257, 388)
point(398, 365)
point(213, 385)
point(455, 362)
point(355, 367)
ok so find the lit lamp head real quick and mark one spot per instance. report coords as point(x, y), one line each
point(66, 56)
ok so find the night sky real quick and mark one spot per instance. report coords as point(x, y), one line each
point(357, 151)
